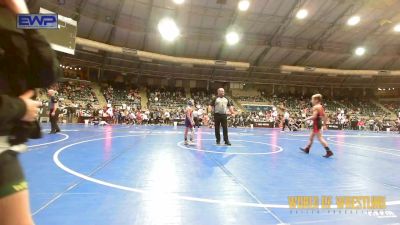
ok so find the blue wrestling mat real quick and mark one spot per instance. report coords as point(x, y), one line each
point(145, 175)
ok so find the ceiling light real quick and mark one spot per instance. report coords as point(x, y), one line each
point(354, 20)
point(168, 29)
point(360, 51)
point(397, 28)
point(244, 5)
point(301, 14)
point(179, 1)
point(232, 38)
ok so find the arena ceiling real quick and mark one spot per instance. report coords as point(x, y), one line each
point(270, 36)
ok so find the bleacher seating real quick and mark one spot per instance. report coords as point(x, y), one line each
point(77, 92)
point(393, 106)
point(200, 96)
point(362, 107)
point(166, 98)
point(257, 108)
point(121, 94)
point(250, 98)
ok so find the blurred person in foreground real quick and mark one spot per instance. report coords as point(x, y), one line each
point(26, 62)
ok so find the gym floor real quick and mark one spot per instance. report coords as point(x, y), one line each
point(144, 175)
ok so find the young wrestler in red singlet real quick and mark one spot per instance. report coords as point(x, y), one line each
point(318, 118)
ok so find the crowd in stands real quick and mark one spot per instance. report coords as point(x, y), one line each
point(250, 98)
point(296, 104)
point(393, 106)
point(122, 95)
point(350, 114)
point(201, 96)
point(78, 92)
point(166, 105)
point(257, 108)
point(72, 94)
point(362, 107)
point(167, 98)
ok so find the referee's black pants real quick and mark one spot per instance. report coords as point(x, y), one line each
point(286, 124)
point(196, 122)
point(221, 120)
point(53, 122)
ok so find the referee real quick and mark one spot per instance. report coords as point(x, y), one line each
point(220, 106)
point(53, 114)
point(286, 117)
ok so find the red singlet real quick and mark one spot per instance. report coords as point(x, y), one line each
point(317, 122)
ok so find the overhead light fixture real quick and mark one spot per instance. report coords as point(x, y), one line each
point(360, 51)
point(301, 14)
point(397, 28)
point(354, 20)
point(232, 38)
point(179, 1)
point(244, 5)
point(168, 29)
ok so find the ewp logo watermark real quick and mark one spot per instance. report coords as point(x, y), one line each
point(37, 21)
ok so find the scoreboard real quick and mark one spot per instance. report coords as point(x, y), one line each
point(63, 38)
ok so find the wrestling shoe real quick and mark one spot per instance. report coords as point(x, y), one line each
point(329, 153)
point(305, 150)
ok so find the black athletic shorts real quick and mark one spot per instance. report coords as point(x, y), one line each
point(12, 178)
